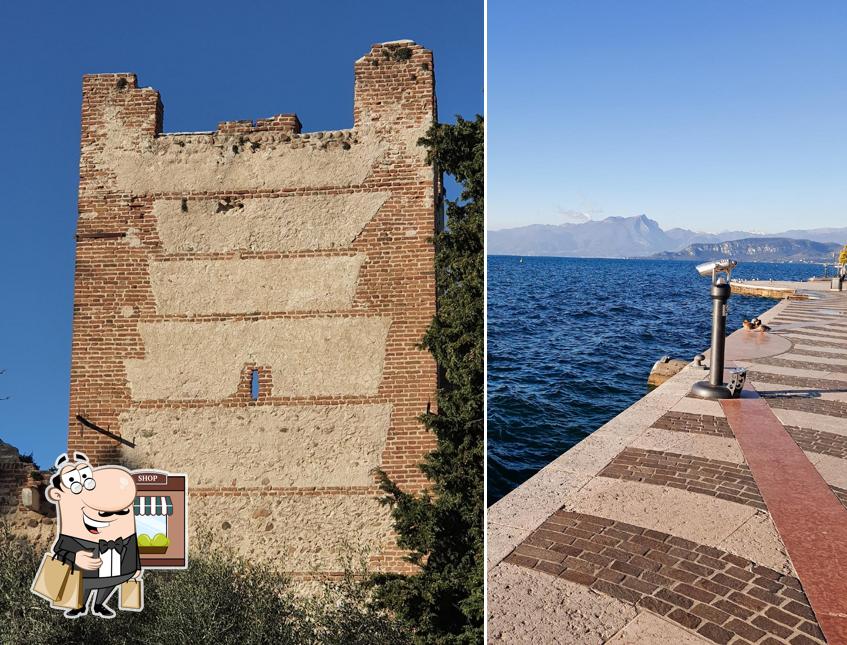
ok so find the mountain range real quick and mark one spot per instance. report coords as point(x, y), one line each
point(628, 237)
point(757, 249)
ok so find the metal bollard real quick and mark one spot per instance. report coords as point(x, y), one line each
point(715, 388)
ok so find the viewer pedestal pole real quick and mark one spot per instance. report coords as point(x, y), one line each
point(714, 388)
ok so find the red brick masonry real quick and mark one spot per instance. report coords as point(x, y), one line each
point(723, 597)
point(118, 239)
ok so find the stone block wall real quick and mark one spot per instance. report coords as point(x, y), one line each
point(305, 258)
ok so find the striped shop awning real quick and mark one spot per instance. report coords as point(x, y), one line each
point(153, 506)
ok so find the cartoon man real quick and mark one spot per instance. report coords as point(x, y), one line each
point(96, 526)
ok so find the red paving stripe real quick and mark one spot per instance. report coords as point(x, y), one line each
point(809, 518)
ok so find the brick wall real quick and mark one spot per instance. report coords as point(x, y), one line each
point(23, 508)
point(306, 257)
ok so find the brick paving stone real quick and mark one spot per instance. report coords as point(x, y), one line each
point(699, 423)
point(727, 581)
point(819, 331)
point(772, 627)
point(715, 587)
point(799, 609)
point(805, 403)
point(576, 576)
point(819, 354)
point(780, 616)
point(745, 630)
point(723, 479)
point(815, 332)
point(801, 639)
point(731, 608)
point(841, 494)
point(824, 319)
point(722, 596)
point(715, 633)
point(812, 629)
point(684, 618)
point(674, 598)
point(781, 362)
point(767, 597)
point(710, 613)
point(824, 443)
point(651, 603)
point(800, 381)
point(549, 567)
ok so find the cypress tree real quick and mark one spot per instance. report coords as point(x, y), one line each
point(443, 527)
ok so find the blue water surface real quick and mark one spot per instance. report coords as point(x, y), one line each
point(571, 342)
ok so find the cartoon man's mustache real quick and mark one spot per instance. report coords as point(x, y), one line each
point(110, 513)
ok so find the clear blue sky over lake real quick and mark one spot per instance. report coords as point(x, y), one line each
point(706, 115)
point(211, 61)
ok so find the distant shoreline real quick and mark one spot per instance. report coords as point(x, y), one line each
point(651, 259)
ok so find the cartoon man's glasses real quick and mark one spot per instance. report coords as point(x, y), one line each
point(76, 480)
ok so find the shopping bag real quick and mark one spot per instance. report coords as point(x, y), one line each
point(50, 580)
point(72, 595)
point(131, 596)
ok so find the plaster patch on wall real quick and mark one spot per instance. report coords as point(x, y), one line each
point(410, 138)
point(317, 530)
point(391, 122)
point(322, 445)
point(308, 357)
point(303, 223)
point(245, 286)
point(215, 162)
point(132, 238)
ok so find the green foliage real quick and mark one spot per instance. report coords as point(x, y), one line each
point(344, 615)
point(220, 598)
point(444, 530)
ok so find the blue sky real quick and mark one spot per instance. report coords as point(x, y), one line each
point(211, 61)
point(705, 115)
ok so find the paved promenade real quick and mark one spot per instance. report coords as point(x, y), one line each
point(689, 521)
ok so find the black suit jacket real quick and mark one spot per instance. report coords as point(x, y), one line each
point(67, 546)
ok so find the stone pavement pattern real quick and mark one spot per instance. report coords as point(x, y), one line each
point(655, 522)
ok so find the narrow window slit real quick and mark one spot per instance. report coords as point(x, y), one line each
point(254, 385)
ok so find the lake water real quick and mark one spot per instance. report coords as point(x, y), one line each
point(571, 342)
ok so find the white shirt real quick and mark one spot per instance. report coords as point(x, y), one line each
point(111, 563)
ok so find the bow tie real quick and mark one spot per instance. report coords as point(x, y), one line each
point(118, 545)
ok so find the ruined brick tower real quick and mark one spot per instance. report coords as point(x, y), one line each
point(208, 264)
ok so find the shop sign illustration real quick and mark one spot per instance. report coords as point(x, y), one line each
point(112, 524)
